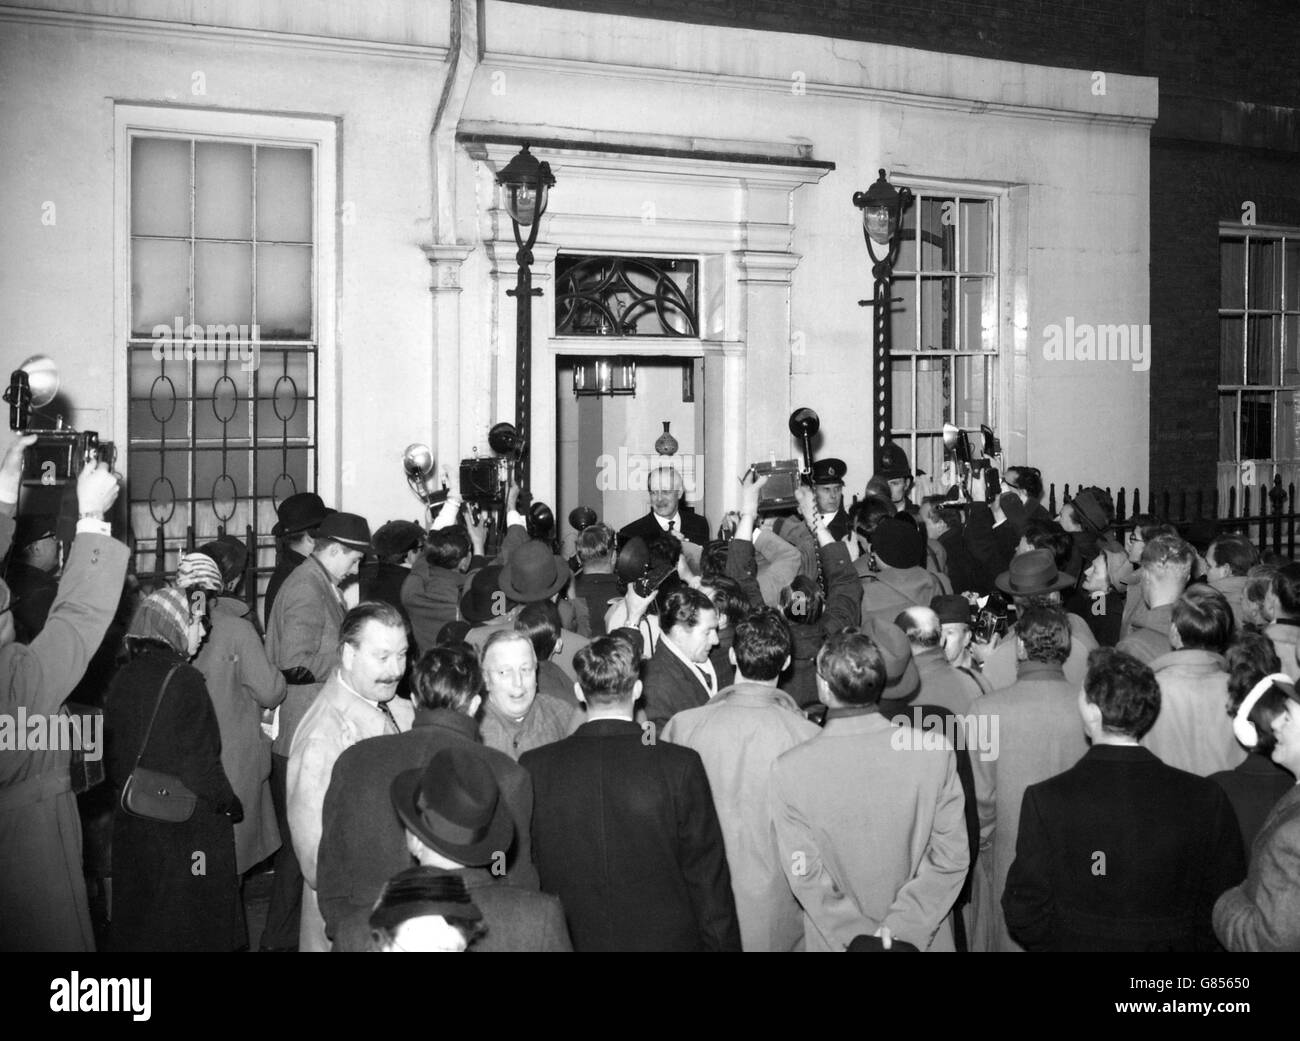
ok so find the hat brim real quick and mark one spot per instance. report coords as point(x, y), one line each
point(351, 543)
point(904, 689)
point(1063, 581)
point(499, 837)
point(279, 530)
point(529, 597)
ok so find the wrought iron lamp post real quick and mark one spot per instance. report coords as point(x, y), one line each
point(882, 209)
point(527, 183)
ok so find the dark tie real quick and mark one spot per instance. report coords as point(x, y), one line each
point(671, 524)
point(388, 715)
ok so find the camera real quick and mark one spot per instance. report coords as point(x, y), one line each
point(777, 495)
point(994, 618)
point(59, 454)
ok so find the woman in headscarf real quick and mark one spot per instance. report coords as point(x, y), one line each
point(175, 887)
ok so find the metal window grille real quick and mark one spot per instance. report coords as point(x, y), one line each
point(222, 354)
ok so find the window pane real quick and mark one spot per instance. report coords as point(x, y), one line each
point(1230, 347)
point(284, 292)
point(1232, 273)
point(933, 392)
point(219, 479)
point(282, 472)
point(1292, 260)
point(1288, 436)
point(974, 404)
point(160, 280)
point(221, 408)
point(901, 390)
point(1291, 371)
point(907, 246)
point(928, 458)
point(1256, 425)
point(1228, 426)
point(977, 235)
point(284, 194)
point(1263, 337)
point(902, 331)
point(223, 283)
point(160, 187)
point(223, 191)
point(979, 315)
point(1265, 284)
point(936, 314)
point(938, 234)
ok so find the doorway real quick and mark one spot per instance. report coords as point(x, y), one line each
point(606, 442)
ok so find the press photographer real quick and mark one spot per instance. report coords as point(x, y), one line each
point(43, 901)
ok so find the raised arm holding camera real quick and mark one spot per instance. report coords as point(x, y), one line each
point(43, 905)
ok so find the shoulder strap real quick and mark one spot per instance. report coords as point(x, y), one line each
point(157, 704)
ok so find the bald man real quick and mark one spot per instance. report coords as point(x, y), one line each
point(942, 683)
point(668, 514)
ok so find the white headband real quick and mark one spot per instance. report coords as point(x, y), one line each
point(1241, 724)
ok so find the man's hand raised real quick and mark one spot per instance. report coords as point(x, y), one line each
point(97, 490)
point(11, 469)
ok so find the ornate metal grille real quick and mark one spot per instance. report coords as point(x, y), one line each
point(222, 357)
point(626, 296)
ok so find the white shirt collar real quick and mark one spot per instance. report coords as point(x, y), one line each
point(675, 519)
point(696, 667)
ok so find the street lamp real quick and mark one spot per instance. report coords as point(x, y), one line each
point(527, 183)
point(882, 209)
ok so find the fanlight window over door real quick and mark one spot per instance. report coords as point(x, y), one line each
point(626, 296)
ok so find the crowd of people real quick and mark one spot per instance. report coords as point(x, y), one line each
point(942, 725)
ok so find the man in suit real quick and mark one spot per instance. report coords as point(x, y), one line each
point(295, 527)
point(302, 640)
point(356, 702)
point(1038, 736)
point(942, 684)
point(458, 822)
point(871, 832)
point(667, 515)
point(43, 903)
point(1121, 852)
point(362, 840)
point(624, 828)
point(679, 674)
point(739, 735)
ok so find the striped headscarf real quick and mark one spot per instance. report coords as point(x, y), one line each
point(163, 616)
point(199, 569)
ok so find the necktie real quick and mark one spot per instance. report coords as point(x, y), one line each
point(671, 524)
point(388, 715)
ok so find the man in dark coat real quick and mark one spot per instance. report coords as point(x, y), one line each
point(679, 674)
point(624, 829)
point(458, 821)
point(828, 486)
point(363, 843)
point(1121, 852)
point(667, 515)
point(32, 575)
point(397, 544)
point(43, 905)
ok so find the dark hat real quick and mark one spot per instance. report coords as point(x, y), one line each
point(534, 573)
point(454, 807)
point(347, 529)
point(582, 517)
point(230, 554)
point(893, 462)
point(1033, 573)
point(902, 680)
point(33, 527)
point(398, 537)
point(298, 513)
point(452, 633)
point(829, 471)
point(951, 608)
point(898, 543)
point(483, 600)
point(421, 891)
point(1089, 512)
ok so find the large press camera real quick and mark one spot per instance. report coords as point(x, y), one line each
point(61, 453)
point(969, 466)
point(784, 476)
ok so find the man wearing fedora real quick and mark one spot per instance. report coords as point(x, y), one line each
point(516, 716)
point(363, 842)
point(356, 701)
point(1033, 580)
point(872, 838)
point(1037, 723)
point(458, 823)
point(302, 636)
point(296, 521)
point(828, 486)
point(531, 572)
point(893, 574)
point(624, 828)
point(667, 514)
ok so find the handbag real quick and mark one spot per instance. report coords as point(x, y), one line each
point(152, 794)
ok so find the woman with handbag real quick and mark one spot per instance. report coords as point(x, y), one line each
point(175, 887)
